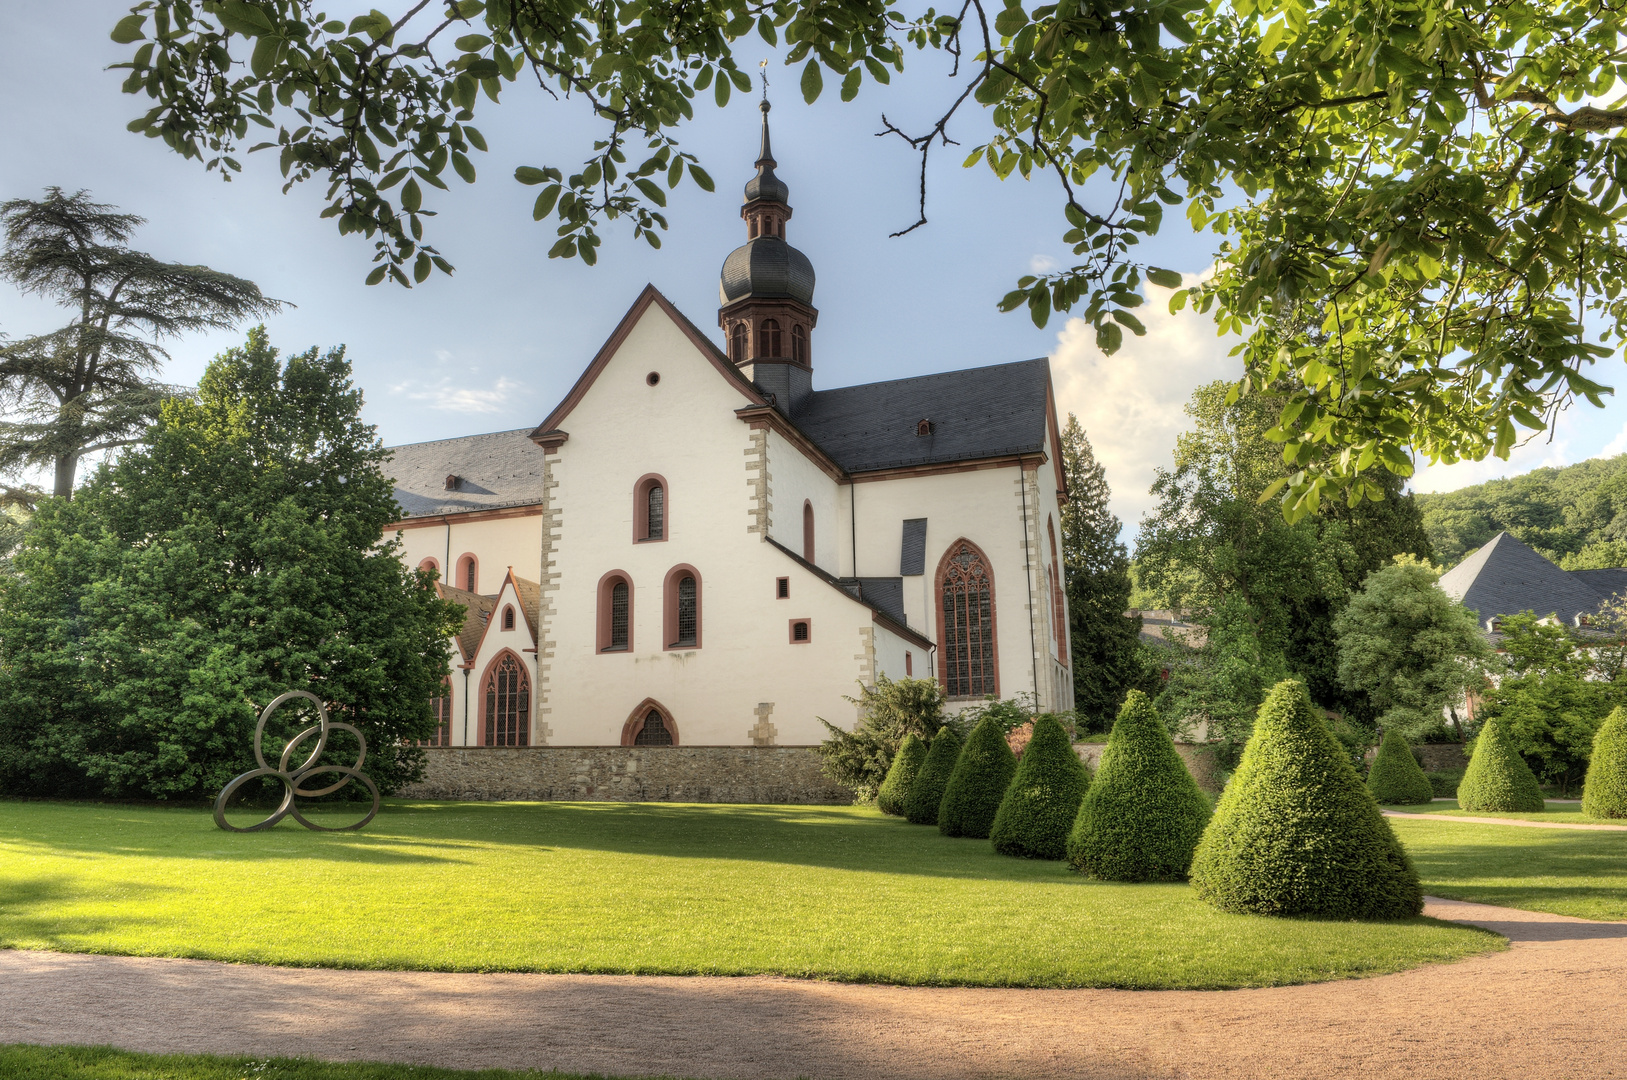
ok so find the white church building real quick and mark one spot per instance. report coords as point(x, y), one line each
point(697, 547)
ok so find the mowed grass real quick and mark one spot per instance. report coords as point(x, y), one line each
point(1578, 872)
point(21, 1062)
point(809, 891)
point(1558, 813)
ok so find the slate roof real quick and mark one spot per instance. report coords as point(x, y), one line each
point(975, 413)
point(886, 593)
point(503, 468)
point(477, 609)
point(1506, 577)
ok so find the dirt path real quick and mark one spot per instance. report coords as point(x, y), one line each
point(1553, 1006)
point(1505, 821)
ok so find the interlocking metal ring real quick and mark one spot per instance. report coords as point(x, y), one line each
point(294, 779)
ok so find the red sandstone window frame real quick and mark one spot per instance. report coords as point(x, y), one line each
point(945, 656)
point(799, 344)
point(468, 572)
point(808, 531)
point(791, 631)
point(769, 340)
point(782, 588)
point(641, 509)
point(909, 665)
point(602, 637)
point(669, 608)
point(636, 718)
point(521, 734)
point(737, 343)
point(430, 565)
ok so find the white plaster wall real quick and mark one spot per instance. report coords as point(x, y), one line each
point(890, 649)
point(496, 544)
point(685, 430)
point(794, 479)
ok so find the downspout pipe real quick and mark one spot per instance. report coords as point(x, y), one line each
point(1028, 576)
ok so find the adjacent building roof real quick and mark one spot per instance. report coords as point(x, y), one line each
point(974, 413)
point(1506, 577)
point(477, 610)
point(503, 468)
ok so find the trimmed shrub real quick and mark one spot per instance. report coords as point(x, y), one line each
point(1143, 815)
point(926, 790)
point(978, 783)
point(1297, 832)
point(1043, 798)
point(1604, 794)
point(1396, 778)
point(1498, 777)
point(896, 787)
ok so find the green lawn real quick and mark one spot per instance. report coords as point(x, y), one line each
point(1566, 871)
point(1562, 813)
point(19, 1062)
point(825, 892)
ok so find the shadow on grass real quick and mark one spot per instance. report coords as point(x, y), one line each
point(31, 908)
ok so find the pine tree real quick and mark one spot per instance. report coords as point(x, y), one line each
point(1143, 815)
point(926, 790)
point(1297, 833)
point(1498, 777)
point(1097, 565)
point(1396, 778)
point(976, 787)
point(896, 787)
point(1043, 798)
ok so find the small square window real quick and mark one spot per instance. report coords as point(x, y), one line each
point(801, 631)
point(782, 588)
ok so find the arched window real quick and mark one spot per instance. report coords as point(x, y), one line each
point(807, 531)
point(652, 509)
point(650, 724)
point(751, 233)
point(1059, 611)
point(468, 573)
point(770, 339)
point(615, 612)
point(508, 617)
point(966, 622)
point(508, 702)
point(737, 343)
point(429, 565)
point(799, 343)
point(440, 709)
point(681, 608)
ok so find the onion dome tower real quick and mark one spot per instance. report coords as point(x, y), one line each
point(766, 292)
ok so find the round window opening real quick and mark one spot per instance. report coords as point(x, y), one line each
point(653, 377)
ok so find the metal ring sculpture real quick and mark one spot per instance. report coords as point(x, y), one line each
point(294, 779)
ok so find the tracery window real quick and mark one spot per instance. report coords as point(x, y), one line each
point(967, 622)
point(799, 343)
point(770, 338)
point(508, 703)
point(654, 732)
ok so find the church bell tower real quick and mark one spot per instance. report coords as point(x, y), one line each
point(766, 290)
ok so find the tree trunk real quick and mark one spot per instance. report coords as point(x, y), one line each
point(66, 466)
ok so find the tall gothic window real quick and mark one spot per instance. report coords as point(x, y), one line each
point(737, 342)
point(618, 615)
point(770, 338)
point(968, 622)
point(1059, 614)
point(656, 508)
point(799, 343)
point(508, 703)
point(440, 708)
point(687, 615)
point(654, 732)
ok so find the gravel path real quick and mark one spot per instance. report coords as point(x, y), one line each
point(1505, 821)
point(1553, 1006)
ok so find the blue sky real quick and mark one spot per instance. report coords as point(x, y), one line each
point(499, 343)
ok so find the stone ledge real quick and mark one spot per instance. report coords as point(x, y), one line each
point(715, 774)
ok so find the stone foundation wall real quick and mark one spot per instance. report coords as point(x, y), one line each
point(1199, 758)
point(708, 774)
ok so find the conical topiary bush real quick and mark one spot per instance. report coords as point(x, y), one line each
point(1396, 778)
point(1040, 804)
point(1498, 777)
point(1143, 815)
point(926, 790)
point(1297, 833)
point(978, 783)
point(1604, 793)
point(896, 787)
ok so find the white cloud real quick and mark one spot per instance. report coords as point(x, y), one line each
point(1131, 404)
point(1041, 264)
point(455, 395)
point(1539, 453)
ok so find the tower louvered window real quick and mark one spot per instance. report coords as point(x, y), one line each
point(737, 343)
point(687, 615)
point(770, 338)
point(654, 732)
point(508, 704)
point(799, 343)
point(618, 615)
point(657, 509)
point(968, 623)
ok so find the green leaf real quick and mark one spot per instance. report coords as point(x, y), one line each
point(721, 93)
point(1130, 322)
point(264, 57)
point(545, 202)
point(564, 249)
point(812, 82)
point(378, 274)
point(698, 174)
point(412, 197)
point(1169, 279)
point(465, 168)
point(472, 43)
point(1039, 306)
point(129, 29)
point(850, 83)
point(527, 174)
point(421, 268)
point(651, 192)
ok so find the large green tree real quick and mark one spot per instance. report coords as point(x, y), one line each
point(1105, 644)
point(1414, 205)
point(235, 554)
point(89, 386)
point(1412, 649)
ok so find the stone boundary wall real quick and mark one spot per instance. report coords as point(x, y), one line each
point(1199, 758)
point(705, 774)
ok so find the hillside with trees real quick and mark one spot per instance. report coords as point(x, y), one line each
point(1576, 515)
